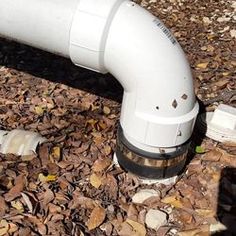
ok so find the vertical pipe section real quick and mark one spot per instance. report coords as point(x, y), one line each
point(44, 24)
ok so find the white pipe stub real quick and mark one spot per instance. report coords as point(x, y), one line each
point(219, 125)
point(19, 142)
point(159, 107)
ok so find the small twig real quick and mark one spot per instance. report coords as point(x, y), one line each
point(224, 96)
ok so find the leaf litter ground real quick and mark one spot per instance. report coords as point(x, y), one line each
point(71, 187)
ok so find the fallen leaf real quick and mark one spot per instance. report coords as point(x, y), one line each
point(12, 228)
point(43, 153)
point(95, 180)
point(185, 217)
point(101, 164)
point(4, 227)
point(213, 155)
point(49, 178)
point(55, 154)
point(28, 157)
point(28, 202)
point(228, 158)
point(3, 206)
point(48, 196)
point(233, 33)
point(106, 110)
point(111, 185)
point(206, 20)
point(25, 231)
point(39, 110)
point(202, 230)
point(96, 218)
point(91, 122)
point(124, 229)
point(81, 201)
point(132, 212)
point(16, 190)
point(202, 65)
point(107, 228)
point(221, 83)
point(138, 228)
point(107, 150)
point(172, 201)
point(17, 205)
point(199, 150)
point(144, 194)
point(102, 124)
point(205, 212)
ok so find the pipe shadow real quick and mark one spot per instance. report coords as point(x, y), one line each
point(197, 137)
point(226, 208)
point(58, 69)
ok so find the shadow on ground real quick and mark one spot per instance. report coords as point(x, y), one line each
point(226, 209)
point(57, 69)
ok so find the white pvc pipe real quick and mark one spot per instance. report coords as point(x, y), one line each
point(117, 36)
point(44, 24)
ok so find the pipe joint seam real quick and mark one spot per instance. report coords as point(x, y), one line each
point(89, 31)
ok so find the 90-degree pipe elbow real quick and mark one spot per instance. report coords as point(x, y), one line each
point(159, 106)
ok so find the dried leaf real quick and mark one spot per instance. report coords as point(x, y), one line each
point(233, 33)
point(132, 212)
point(4, 227)
point(28, 157)
point(44, 154)
point(16, 190)
point(124, 229)
point(172, 201)
point(39, 110)
point(110, 185)
point(101, 164)
point(228, 158)
point(221, 83)
point(24, 232)
point(81, 201)
point(144, 194)
point(106, 110)
point(202, 65)
point(55, 154)
point(28, 202)
point(96, 218)
point(17, 205)
point(49, 178)
point(205, 212)
point(213, 155)
point(48, 196)
point(107, 150)
point(13, 228)
point(91, 122)
point(138, 228)
point(202, 230)
point(95, 180)
point(3, 206)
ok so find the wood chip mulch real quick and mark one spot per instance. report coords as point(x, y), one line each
point(71, 187)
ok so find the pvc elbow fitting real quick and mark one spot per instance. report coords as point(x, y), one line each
point(159, 108)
